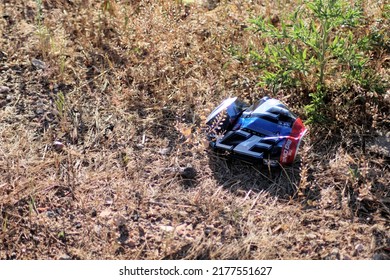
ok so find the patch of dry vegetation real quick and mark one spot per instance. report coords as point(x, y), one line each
point(102, 152)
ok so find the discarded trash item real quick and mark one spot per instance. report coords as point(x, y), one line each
point(266, 131)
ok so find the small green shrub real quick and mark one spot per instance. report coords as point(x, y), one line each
point(314, 49)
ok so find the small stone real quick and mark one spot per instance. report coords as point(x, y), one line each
point(64, 257)
point(108, 201)
point(39, 111)
point(4, 89)
point(207, 231)
point(359, 248)
point(165, 151)
point(167, 228)
point(58, 146)
point(50, 214)
point(39, 64)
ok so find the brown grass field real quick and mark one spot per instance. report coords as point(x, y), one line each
point(102, 139)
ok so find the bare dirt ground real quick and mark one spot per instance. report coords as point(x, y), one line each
point(102, 142)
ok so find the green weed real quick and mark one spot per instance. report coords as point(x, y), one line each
point(313, 46)
point(60, 104)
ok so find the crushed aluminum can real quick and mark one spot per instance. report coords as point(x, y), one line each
point(265, 132)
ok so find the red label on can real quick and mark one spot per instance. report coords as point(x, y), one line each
point(289, 148)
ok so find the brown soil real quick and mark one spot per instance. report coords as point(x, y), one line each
point(102, 142)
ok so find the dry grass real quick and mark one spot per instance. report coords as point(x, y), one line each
point(125, 88)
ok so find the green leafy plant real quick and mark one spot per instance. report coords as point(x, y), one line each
point(311, 47)
point(316, 104)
